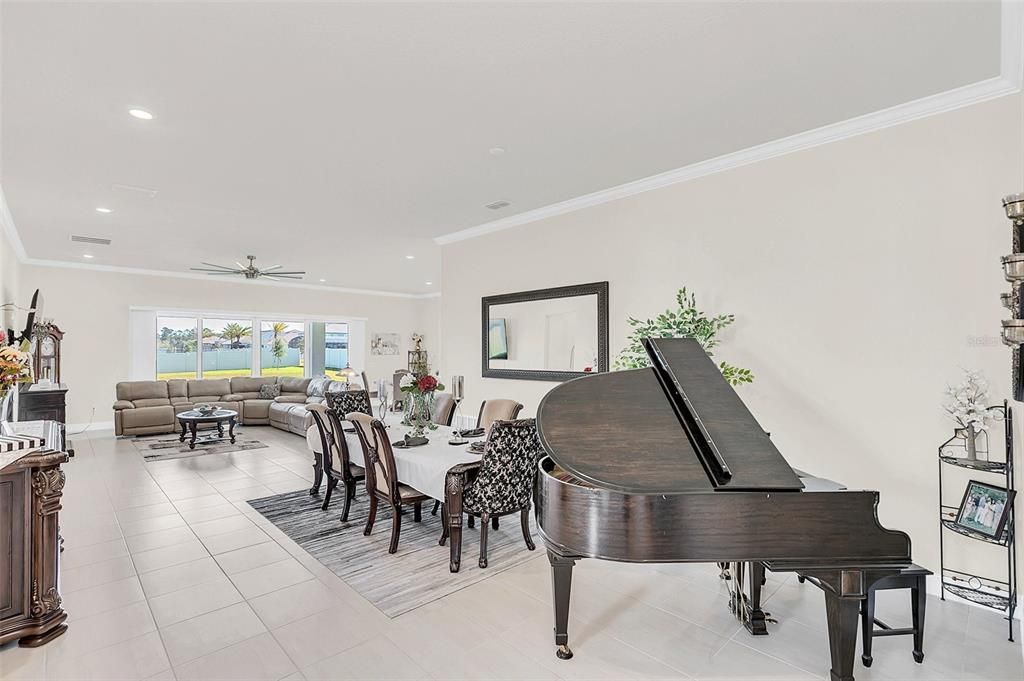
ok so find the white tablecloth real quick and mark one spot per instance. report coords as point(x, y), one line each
point(422, 467)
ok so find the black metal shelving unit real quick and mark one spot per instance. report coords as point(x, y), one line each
point(989, 591)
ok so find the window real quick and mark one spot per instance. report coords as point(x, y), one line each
point(176, 347)
point(335, 348)
point(227, 348)
point(282, 349)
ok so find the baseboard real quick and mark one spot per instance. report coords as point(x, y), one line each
point(79, 428)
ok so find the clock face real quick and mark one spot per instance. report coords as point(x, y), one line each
point(47, 346)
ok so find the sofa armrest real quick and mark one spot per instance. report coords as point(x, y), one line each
point(123, 404)
point(233, 397)
point(290, 399)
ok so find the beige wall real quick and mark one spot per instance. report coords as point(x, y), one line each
point(91, 307)
point(863, 275)
point(10, 282)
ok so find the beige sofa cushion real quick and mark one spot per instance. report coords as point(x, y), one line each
point(208, 390)
point(256, 409)
point(142, 390)
point(294, 385)
point(177, 389)
point(145, 417)
point(245, 385)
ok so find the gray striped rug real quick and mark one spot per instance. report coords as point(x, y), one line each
point(396, 583)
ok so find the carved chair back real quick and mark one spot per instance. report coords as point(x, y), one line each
point(381, 474)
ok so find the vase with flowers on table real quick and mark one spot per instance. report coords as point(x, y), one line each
point(420, 389)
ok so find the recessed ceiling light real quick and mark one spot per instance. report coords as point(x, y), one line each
point(141, 114)
point(429, 283)
point(101, 209)
point(87, 255)
point(322, 280)
point(496, 151)
point(410, 257)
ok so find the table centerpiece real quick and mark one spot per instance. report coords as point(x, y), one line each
point(421, 389)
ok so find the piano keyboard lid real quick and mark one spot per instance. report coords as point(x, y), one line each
point(675, 427)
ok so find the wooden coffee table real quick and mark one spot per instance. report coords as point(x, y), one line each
point(190, 421)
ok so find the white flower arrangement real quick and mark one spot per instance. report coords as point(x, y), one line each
point(967, 403)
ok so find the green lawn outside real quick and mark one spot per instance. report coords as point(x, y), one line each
point(293, 371)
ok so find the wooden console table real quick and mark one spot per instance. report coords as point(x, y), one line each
point(30, 499)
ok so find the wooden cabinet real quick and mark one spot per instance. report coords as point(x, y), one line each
point(35, 404)
point(30, 494)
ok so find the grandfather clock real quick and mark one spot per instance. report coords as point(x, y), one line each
point(47, 356)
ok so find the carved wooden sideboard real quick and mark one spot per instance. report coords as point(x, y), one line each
point(30, 498)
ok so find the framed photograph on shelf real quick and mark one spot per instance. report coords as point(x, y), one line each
point(985, 508)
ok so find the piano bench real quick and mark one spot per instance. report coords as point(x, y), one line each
point(912, 578)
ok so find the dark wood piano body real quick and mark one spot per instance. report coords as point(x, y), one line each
point(666, 464)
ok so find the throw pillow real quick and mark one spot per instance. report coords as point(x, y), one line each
point(317, 386)
point(269, 391)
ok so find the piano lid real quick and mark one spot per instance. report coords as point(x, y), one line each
point(677, 426)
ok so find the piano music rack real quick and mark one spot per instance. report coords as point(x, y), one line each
point(990, 592)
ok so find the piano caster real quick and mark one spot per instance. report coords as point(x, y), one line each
point(866, 659)
point(563, 653)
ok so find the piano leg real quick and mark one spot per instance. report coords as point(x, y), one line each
point(755, 621)
point(561, 586)
point(842, 614)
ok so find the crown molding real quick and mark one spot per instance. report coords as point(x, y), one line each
point(1007, 83)
point(64, 264)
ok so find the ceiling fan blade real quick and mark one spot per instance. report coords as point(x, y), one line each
point(240, 265)
point(210, 264)
point(203, 269)
point(230, 274)
point(286, 276)
point(272, 267)
point(280, 273)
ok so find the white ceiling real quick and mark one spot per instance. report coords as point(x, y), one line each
point(339, 138)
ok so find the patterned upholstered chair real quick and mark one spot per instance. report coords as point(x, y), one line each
point(337, 466)
point(497, 410)
point(381, 477)
point(344, 402)
point(504, 484)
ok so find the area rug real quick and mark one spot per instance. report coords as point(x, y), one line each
point(163, 447)
point(400, 582)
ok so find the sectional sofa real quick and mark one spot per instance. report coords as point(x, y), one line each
point(147, 407)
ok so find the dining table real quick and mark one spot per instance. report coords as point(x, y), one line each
point(437, 469)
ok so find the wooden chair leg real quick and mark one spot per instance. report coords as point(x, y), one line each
point(867, 623)
point(484, 517)
point(471, 522)
point(372, 515)
point(524, 519)
point(417, 512)
point(918, 597)
point(396, 528)
point(350, 490)
point(331, 484)
point(494, 522)
point(437, 505)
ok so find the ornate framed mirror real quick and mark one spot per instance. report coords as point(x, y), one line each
point(551, 334)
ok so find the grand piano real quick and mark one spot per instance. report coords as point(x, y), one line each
point(666, 464)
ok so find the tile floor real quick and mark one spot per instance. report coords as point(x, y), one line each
point(168, 574)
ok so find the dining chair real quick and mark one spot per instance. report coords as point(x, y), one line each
point(335, 457)
point(444, 409)
point(497, 410)
point(344, 402)
point(504, 483)
point(382, 478)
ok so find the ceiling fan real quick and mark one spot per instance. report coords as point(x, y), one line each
point(249, 271)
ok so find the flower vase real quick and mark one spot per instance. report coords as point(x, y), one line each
point(971, 436)
point(419, 417)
